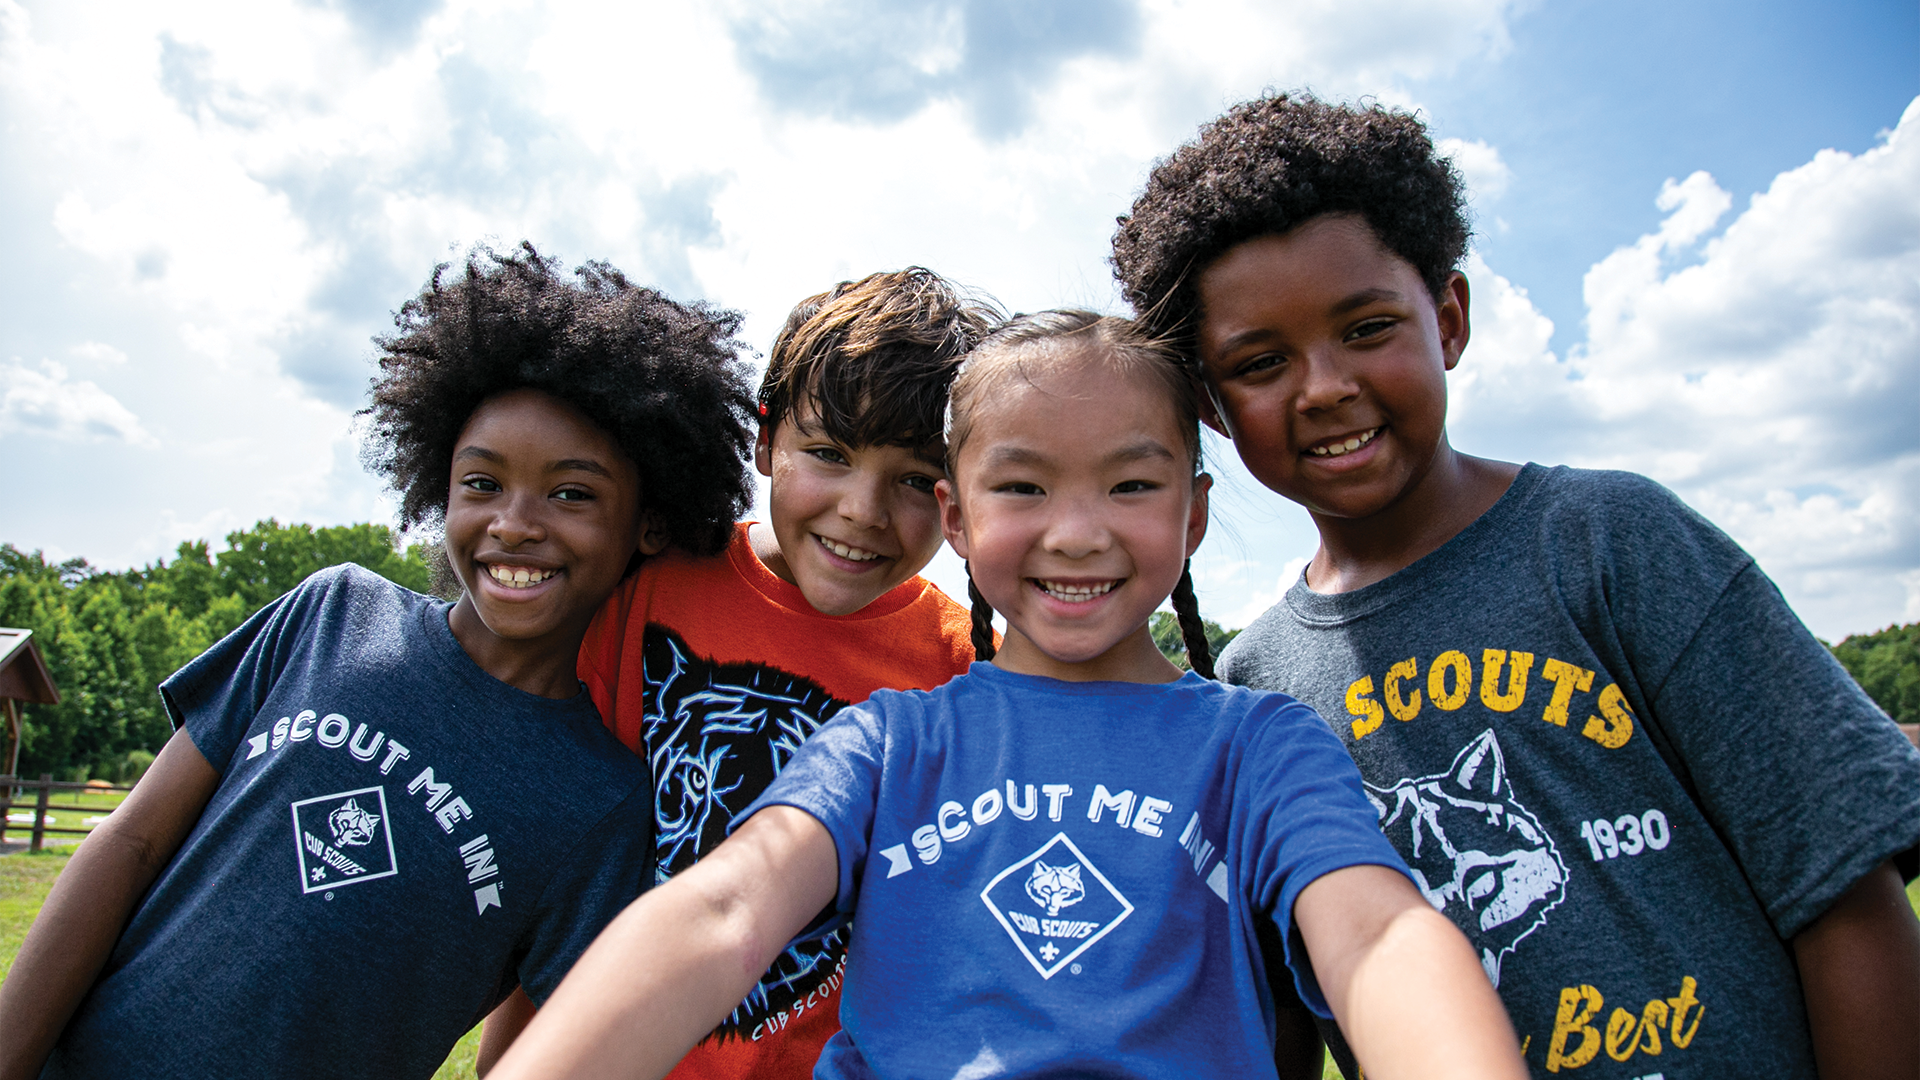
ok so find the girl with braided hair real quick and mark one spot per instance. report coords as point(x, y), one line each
point(1061, 862)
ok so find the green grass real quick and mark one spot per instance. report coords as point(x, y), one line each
point(25, 879)
point(61, 813)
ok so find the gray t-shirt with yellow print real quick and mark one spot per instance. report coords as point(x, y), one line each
point(1616, 759)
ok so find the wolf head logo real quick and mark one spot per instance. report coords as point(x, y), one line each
point(716, 735)
point(1479, 856)
point(1055, 887)
point(351, 826)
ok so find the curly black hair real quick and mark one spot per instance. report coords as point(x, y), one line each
point(664, 379)
point(1268, 166)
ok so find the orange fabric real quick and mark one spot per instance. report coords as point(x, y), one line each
point(731, 610)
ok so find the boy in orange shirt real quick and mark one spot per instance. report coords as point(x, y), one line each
point(717, 668)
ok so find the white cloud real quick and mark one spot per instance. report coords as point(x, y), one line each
point(47, 404)
point(1481, 166)
point(240, 203)
point(1770, 374)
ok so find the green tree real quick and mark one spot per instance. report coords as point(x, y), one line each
point(110, 638)
point(1166, 634)
point(1887, 666)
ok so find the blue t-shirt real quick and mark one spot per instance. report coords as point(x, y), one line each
point(398, 839)
point(1068, 877)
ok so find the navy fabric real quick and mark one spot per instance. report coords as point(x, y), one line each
point(1616, 759)
point(398, 839)
point(1065, 878)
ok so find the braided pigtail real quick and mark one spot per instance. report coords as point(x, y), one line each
point(1192, 630)
point(982, 620)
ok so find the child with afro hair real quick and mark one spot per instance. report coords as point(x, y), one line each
point(462, 822)
point(1672, 827)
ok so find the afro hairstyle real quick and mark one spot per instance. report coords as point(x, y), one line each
point(664, 379)
point(1268, 166)
point(874, 358)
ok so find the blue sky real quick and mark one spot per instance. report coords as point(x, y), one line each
point(1698, 252)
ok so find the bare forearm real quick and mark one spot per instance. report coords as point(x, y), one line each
point(680, 958)
point(655, 981)
point(1452, 1025)
point(89, 905)
point(67, 946)
point(1860, 972)
point(503, 1026)
point(1408, 992)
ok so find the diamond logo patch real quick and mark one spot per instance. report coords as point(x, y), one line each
point(343, 839)
point(1055, 904)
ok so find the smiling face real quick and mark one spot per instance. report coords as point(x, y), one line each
point(1075, 505)
point(1325, 360)
point(848, 524)
point(543, 516)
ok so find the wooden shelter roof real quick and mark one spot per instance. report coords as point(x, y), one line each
point(23, 674)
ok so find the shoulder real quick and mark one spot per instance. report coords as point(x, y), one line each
point(350, 596)
point(1610, 503)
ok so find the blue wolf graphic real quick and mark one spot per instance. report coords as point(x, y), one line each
point(1473, 846)
point(1055, 887)
point(350, 825)
point(716, 736)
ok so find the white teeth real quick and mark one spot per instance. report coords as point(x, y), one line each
point(853, 554)
point(1075, 594)
point(518, 577)
point(1341, 448)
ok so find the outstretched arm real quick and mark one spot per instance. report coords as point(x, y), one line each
point(91, 902)
point(1860, 972)
point(683, 956)
point(504, 1024)
point(1402, 981)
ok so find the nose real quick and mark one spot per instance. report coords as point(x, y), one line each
point(518, 520)
point(863, 502)
point(1326, 383)
point(1077, 528)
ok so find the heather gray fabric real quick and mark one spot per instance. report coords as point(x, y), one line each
point(398, 839)
point(1618, 761)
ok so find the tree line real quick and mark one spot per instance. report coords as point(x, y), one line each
point(109, 637)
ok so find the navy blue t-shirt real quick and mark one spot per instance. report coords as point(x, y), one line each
point(1068, 877)
point(398, 839)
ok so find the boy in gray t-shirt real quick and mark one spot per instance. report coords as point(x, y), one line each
point(1671, 825)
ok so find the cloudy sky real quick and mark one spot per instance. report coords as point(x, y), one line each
point(1698, 249)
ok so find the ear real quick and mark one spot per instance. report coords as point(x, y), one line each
point(1197, 513)
point(1455, 327)
point(653, 538)
point(1210, 413)
point(763, 449)
point(952, 523)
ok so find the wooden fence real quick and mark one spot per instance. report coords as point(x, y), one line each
point(12, 787)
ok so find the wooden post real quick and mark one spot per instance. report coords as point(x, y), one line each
point(13, 732)
point(40, 811)
point(6, 803)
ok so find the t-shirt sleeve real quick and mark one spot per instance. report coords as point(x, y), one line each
point(218, 694)
point(835, 777)
point(1805, 779)
point(1301, 813)
point(606, 870)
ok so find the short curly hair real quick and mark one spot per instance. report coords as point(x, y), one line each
point(1270, 165)
point(664, 379)
point(874, 358)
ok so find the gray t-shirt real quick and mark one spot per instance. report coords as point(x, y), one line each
point(1617, 760)
point(398, 839)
